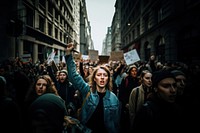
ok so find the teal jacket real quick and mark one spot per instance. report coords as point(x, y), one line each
point(110, 100)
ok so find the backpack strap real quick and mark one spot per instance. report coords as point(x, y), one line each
point(126, 82)
point(136, 98)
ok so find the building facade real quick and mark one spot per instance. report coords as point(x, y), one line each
point(38, 27)
point(106, 47)
point(116, 28)
point(168, 29)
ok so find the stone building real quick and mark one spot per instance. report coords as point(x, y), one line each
point(168, 29)
point(38, 27)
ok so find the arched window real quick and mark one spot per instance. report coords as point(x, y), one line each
point(147, 49)
point(160, 48)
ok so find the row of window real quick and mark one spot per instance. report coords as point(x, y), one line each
point(54, 22)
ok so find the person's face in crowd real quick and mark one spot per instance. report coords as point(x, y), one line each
point(134, 72)
point(181, 83)
point(152, 57)
point(86, 70)
point(57, 75)
point(167, 89)
point(90, 70)
point(62, 77)
point(41, 87)
point(146, 80)
point(101, 78)
point(111, 72)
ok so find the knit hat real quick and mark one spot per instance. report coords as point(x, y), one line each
point(130, 68)
point(64, 71)
point(177, 72)
point(160, 75)
point(49, 107)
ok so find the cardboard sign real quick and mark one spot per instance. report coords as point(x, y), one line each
point(93, 55)
point(116, 56)
point(103, 59)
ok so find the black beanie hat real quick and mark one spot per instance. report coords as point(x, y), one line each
point(177, 72)
point(50, 107)
point(160, 75)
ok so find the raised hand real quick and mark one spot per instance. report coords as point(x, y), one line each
point(69, 48)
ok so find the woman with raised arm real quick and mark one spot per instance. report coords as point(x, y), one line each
point(100, 111)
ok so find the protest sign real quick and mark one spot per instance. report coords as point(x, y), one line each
point(131, 57)
point(116, 56)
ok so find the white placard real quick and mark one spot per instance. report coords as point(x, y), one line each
point(131, 57)
point(85, 57)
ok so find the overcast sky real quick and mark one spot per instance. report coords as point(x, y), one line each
point(100, 14)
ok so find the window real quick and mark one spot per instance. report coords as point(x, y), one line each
point(56, 33)
point(160, 49)
point(42, 4)
point(146, 23)
point(29, 16)
point(159, 14)
point(50, 8)
point(41, 23)
point(147, 50)
point(50, 29)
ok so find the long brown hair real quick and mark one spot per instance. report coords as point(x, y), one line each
point(31, 94)
point(50, 84)
point(92, 83)
point(52, 87)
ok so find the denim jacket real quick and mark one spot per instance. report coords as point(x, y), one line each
point(110, 100)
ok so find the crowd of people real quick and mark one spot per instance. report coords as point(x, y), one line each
point(87, 97)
